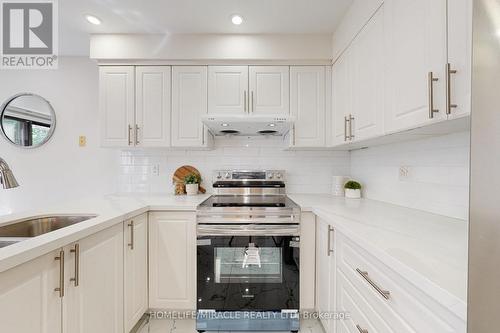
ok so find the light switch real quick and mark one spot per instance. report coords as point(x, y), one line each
point(82, 141)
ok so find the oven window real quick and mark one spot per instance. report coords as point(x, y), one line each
point(249, 264)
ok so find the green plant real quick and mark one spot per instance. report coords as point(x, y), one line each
point(352, 185)
point(192, 178)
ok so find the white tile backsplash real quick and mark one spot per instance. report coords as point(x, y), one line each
point(307, 171)
point(438, 179)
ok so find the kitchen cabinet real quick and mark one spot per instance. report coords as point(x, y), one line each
point(153, 103)
point(172, 260)
point(325, 272)
point(307, 104)
point(341, 98)
point(307, 261)
point(94, 283)
point(368, 80)
point(269, 90)
point(227, 89)
point(116, 104)
point(189, 103)
point(136, 270)
point(416, 53)
point(28, 301)
point(459, 58)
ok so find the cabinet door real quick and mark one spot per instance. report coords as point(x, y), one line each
point(341, 97)
point(227, 89)
point(96, 303)
point(153, 102)
point(189, 103)
point(136, 270)
point(307, 104)
point(28, 302)
point(269, 90)
point(460, 56)
point(116, 105)
point(368, 79)
point(416, 45)
point(172, 261)
point(324, 272)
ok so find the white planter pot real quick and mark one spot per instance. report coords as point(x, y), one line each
point(192, 189)
point(352, 194)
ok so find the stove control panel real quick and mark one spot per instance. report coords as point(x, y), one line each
point(246, 175)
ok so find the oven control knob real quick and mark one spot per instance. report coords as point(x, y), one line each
point(278, 176)
point(227, 175)
point(270, 176)
point(219, 176)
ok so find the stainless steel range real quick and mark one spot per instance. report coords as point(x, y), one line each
point(248, 254)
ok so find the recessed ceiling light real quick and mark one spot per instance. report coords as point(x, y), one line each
point(237, 19)
point(224, 125)
point(272, 125)
point(93, 19)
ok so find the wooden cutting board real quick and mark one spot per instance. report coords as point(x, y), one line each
point(182, 172)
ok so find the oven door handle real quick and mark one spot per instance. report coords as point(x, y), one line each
point(248, 230)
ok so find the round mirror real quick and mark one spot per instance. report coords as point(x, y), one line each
point(27, 120)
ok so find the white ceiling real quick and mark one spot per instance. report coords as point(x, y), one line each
point(194, 16)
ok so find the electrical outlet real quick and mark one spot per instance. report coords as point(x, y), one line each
point(82, 141)
point(404, 173)
point(155, 170)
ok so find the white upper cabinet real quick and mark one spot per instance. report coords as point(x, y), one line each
point(415, 48)
point(153, 89)
point(459, 58)
point(189, 103)
point(227, 89)
point(341, 98)
point(368, 80)
point(307, 104)
point(269, 90)
point(116, 103)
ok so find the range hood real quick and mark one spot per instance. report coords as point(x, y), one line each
point(244, 125)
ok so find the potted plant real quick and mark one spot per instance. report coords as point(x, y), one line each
point(352, 190)
point(192, 182)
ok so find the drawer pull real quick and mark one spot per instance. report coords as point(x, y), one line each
point(384, 293)
point(361, 330)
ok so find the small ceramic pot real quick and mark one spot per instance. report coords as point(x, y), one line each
point(192, 189)
point(352, 194)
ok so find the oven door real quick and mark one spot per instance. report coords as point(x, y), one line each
point(248, 270)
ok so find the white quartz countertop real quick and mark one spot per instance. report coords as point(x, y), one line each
point(427, 249)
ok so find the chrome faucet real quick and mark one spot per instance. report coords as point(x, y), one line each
point(7, 179)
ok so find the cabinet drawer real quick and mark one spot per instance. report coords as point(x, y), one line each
point(361, 313)
point(405, 306)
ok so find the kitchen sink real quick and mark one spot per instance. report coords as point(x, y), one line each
point(36, 226)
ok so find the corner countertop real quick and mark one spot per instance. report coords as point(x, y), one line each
point(428, 250)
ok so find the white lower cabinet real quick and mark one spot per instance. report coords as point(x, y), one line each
point(325, 272)
point(307, 261)
point(28, 300)
point(136, 270)
point(94, 284)
point(172, 260)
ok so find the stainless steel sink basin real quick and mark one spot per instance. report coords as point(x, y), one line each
point(36, 226)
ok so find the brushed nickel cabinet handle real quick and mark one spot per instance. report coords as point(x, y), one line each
point(137, 128)
point(252, 109)
point(430, 83)
point(130, 135)
point(203, 134)
point(245, 101)
point(384, 293)
point(448, 72)
point(361, 330)
point(131, 244)
point(76, 251)
point(345, 128)
point(60, 289)
point(293, 134)
point(329, 250)
point(351, 122)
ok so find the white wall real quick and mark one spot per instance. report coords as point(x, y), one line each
point(438, 179)
point(308, 171)
point(59, 170)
